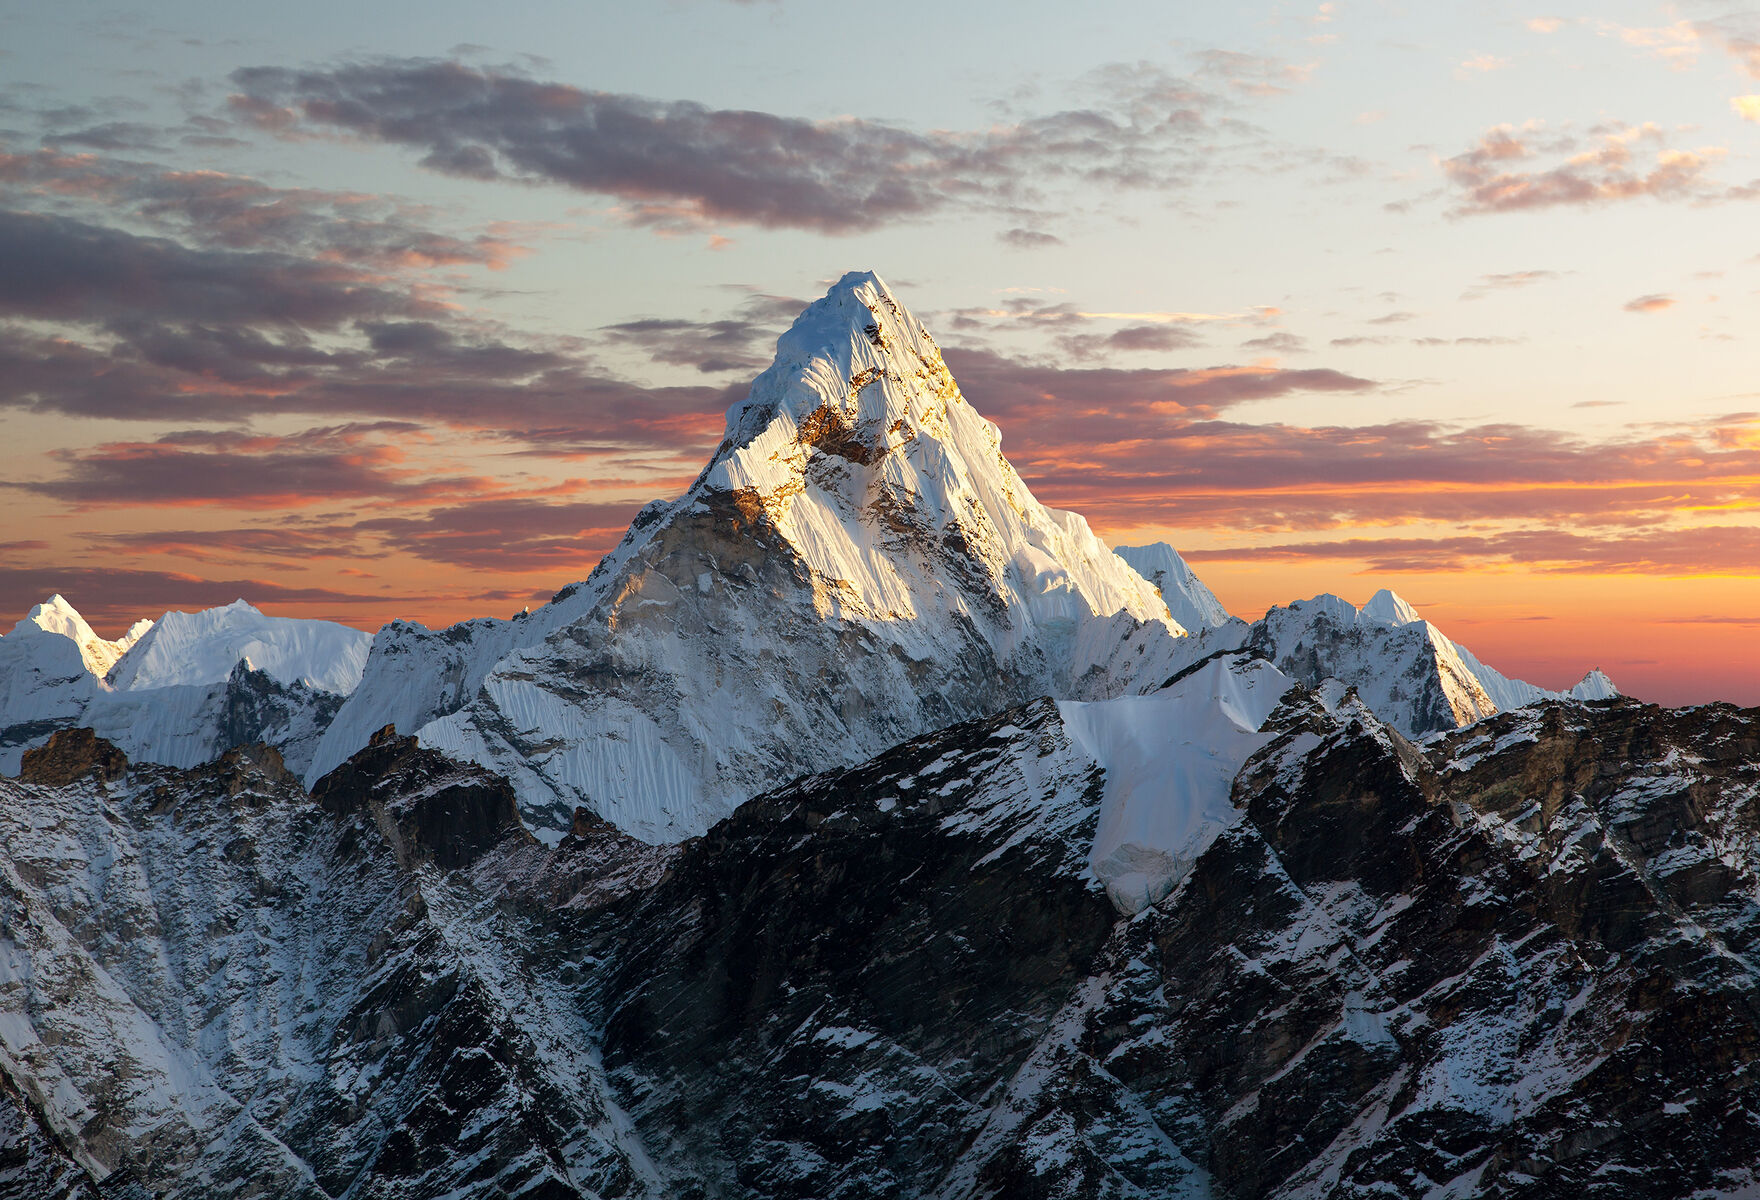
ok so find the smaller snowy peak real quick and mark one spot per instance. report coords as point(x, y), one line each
point(1389, 607)
point(203, 647)
point(1407, 671)
point(1192, 604)
point(55, 615)
point(1333, 608)
point(1594, 686)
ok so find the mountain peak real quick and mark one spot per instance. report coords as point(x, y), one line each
point(858, 564)
point(200, 648)
point(55, 615)
point(1594, 686)
point(858, 449)
point(1192, 604)
point(1387, 605)
point(855, 376)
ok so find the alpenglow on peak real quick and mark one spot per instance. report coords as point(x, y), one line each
point(857, 564)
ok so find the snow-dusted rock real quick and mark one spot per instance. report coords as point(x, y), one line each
point(1409, 673)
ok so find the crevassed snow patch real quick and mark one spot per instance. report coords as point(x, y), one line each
point(1170, 760)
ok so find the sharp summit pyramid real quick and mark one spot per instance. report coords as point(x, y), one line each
point(858, 564)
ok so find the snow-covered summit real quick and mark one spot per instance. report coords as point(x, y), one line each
point(1594, 686)
point(857, 564)
point(203, 647)
point(1192, 603)
point(1409, 673)
point(55, 615)
point(1387, 605)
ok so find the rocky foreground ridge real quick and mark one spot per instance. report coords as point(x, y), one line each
point(1516, 960)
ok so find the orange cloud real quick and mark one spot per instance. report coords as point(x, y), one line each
point(1653, 303)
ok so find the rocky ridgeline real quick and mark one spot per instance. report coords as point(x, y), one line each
point(1518, 960)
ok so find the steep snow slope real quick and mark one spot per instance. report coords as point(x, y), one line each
point(203, 647)
point(857, 564)
point(1406, 670)
point(1170, 758)
point(1192, 603)
point(44, 685)
point(414, 674)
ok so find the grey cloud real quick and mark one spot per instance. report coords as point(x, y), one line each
point(676, 162)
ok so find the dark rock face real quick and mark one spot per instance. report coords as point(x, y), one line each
point(429, 807)
point(823, 994)
point(1518, 960)
point(33, 1166)
point(257, 708)
point(70, 755)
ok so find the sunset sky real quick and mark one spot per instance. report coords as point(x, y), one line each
point(398, 310)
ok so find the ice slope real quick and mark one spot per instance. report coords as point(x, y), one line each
point(1408, 672)
point(44, 683)
point(414, 675)
point(857, 564)
point(203, 647)
point(1192, 603)
point(51, 667)
point(1170, 758)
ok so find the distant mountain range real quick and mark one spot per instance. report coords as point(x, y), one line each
point(858, 564)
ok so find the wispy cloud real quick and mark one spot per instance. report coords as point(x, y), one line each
point(114, 595)
point(740, 342)
point(1505, 171)
point(1653, 303)
point(1677, 44)
point(219, 209)
point(1028, 239)
point(1689, 551)
point(1482, 64)
point(1506, 281)
point(674, 163)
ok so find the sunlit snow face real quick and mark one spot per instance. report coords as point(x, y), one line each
point(1216, 289)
